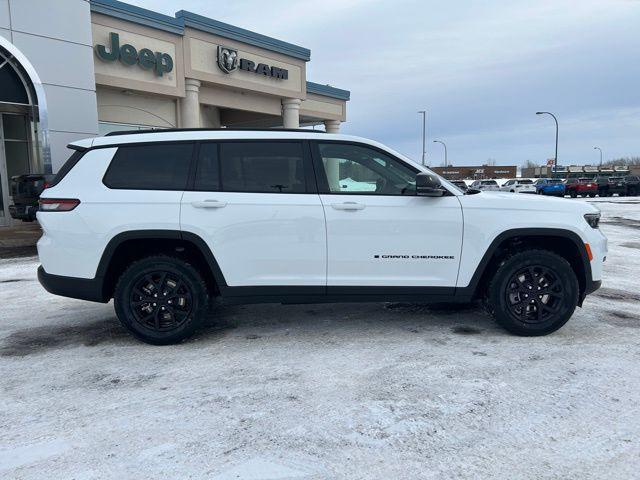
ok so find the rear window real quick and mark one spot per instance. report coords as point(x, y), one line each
point(150, 167)
point(262, 167)
point(489, 182)
point(525, 182)
point(555, 181)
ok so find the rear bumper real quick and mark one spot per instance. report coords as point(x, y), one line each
point(23, 212)
point(82, 288)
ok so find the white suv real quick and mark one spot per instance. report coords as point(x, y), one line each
point(515, 185)
point(168, 223)
point(485, 185)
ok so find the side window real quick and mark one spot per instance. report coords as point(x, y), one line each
point(208, 168)
point(356, 169)
point(262, 167)
point(150, 167)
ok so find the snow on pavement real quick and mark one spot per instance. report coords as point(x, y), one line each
point(324, 391)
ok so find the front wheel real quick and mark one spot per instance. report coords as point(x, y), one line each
point(161, 300)
point(533, 293)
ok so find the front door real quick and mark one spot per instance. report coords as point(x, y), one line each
point(379, 233)
point(253, 203)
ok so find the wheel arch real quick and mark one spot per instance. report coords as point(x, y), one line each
point(129, 246)
point(566, 243)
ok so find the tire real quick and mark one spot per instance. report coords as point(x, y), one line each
point(592, 195)
point(161, 300)
point(573, 194)
point(532, 270)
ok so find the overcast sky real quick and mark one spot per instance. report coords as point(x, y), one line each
point(480, 68)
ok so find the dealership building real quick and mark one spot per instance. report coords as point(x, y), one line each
point(70, 69)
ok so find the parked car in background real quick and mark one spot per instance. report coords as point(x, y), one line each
point(25, 191)
point(461, 184)
point(603, 185)
point(485, 185)
point(518, 185)
point(578, 187)
point(632, 182)
point(550, 186)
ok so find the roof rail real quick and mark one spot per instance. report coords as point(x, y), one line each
point(169, 130)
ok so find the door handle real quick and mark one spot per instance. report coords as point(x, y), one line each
point(348, 206)
point(209, 204)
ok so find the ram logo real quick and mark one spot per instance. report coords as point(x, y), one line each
point(227, 59)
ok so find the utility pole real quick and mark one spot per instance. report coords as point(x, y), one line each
point(424, 135)
point(446, 163)
point(598, 148)
point(555, 159)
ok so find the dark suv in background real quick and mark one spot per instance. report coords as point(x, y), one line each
point(25, 191)
point(632, 184)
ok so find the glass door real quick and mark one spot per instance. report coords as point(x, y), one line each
point(4, 183)
point(15, 158)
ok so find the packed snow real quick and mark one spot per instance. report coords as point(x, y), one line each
point(324, 391)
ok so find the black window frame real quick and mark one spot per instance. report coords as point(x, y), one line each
point(321, 176)
point(311, 186)
point(190, 167)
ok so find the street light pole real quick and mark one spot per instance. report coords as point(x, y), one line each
point(598, 148)
point(446, 163)
point(424, 134)
point(555, 159)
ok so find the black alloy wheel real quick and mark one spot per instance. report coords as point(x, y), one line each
point(534, 293)
point(161, 300)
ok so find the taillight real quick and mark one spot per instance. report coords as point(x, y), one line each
point(58, 204)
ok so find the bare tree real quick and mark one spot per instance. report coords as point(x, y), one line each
point(491, 162)
point(529, 164)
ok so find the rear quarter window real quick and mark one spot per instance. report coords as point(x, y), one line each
point(150, 167)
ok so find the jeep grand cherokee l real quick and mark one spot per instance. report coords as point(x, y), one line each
point(168, 223)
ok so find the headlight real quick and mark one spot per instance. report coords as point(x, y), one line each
point(593, 219)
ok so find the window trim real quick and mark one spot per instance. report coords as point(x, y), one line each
point(321, 176)
point(311, 186)
point(168, 142)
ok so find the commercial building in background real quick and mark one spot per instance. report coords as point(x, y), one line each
point(70, 69)
point(476, 172)
point(583, 171)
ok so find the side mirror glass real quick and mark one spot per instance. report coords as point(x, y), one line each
point(428, 185)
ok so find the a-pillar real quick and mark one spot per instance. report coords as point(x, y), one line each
point(291, 112)
point(190, 104)
point(332, 126)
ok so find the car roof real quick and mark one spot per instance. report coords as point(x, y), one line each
point(121, 138)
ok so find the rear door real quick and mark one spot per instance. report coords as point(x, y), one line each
point(379, 233)
point(256, 205)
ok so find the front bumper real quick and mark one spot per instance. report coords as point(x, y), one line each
point(82, 288)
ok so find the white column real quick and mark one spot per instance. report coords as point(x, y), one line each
point(332, 126)
point(190, 104)
point(209, 116)
point(291, 112)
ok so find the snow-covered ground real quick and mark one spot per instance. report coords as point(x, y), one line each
point(324, 391)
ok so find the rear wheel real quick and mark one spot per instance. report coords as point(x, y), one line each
point(533, 293)
point(573, 194)
point(161, 300)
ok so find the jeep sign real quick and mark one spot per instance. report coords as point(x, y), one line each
point(160, 63)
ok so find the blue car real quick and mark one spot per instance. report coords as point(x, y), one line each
point(550, 186)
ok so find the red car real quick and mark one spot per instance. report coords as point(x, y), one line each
point(577, 187)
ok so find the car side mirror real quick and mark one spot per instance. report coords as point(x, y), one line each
point(428, 185)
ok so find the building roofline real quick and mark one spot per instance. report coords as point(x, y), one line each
point(183, 19)
point(225, 30)
point(139, 15)
point(328, 91)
